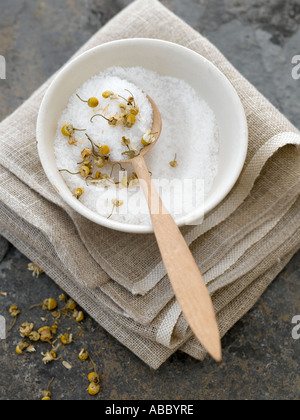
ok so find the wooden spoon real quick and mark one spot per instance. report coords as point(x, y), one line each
point(188, 284)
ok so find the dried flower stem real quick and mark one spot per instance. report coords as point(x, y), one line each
point(50, 383)
point(100, 115)
point(112, 212)
point(81, 98)
point(93, 363)
point(93, 146)
point(72, 173)
point(37, 305)
point(131, 95)
point(113, 167)
point(13, 324)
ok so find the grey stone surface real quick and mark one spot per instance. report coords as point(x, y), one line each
point(261, 358)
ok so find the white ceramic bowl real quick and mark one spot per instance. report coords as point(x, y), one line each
point(167, 59)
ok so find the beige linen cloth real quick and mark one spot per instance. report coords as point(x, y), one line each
point(118, 278)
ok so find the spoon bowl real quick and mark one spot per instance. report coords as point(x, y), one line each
point(156, 130)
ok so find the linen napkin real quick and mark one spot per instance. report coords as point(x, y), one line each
point(118, 278)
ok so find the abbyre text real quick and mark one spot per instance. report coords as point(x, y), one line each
point(2, 67)
point(172, 409)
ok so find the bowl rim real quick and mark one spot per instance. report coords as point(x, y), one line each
point(75, 204)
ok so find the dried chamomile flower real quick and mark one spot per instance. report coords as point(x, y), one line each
point(92, 102)
point(56, 314)
point(90, 166)
point(148, 138)
point(94, 389)
point(45, 334)
point(26, 329)
point(129, 109)
point(67, 338)
point(68, 130)
point(78, 316)
point(70, 305)
point(133, 181)
point(104, 150)
point(47, 394)
point(109, 94)
point(14, 311)
point(30, 349)
point(116, 203)
point(84, 171)
point(129, 182)
point(130, 145)
point(174, 163)
point(124, 109)
point(86, 153)
point(78, 192)
point(130, 101)
point(54, 329)
point(130, 121)
point(99, 161)
point(72, 141)
point(21, 347)
point(94, 378)
point(49, 356)
point(134, 110)
point(63, 298)
point(36, 270)
point(34, 336)
point(49, 304)
point(125, 142)
point(83, 355)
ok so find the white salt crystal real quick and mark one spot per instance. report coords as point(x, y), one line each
point(189, 132)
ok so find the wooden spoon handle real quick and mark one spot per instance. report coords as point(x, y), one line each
point(188, 283)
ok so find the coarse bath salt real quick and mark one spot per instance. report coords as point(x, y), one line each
point(109, 118)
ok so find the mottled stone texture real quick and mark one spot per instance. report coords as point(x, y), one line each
point(261, 360)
